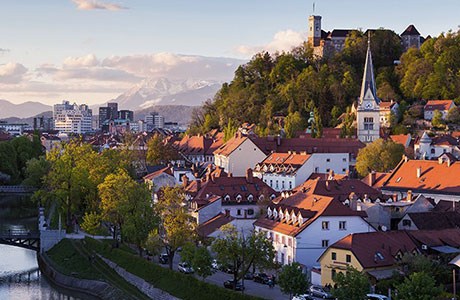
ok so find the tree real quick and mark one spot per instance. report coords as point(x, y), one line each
point(199, 258)
point(351, 285)
point(317, 126)
point(379, 156)
point(437, 120)
point(453, 115)
point(242, 252)
point(230, 130)
point(418, 286)
point(176, 226)
point(294, 123)
point(36, 170)
point(292, 280)
point(91, 223)
point(159, 152)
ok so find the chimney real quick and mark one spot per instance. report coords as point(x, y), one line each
point(327, 185)
point(419, 172)
point(331, 174)
point(409, 196)
point(227, 212)
point(249, 176)
point(449, 162)
point(278, 140)
point(372, 177)
point(395, 197)
point(198, 184)
point(185, 181)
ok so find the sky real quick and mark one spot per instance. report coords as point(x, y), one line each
point(93, 50)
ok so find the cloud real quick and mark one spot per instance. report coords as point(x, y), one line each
point(282, 41)
point(12, 73)
point(3, 51)
point(94, 4)
point(89, 60)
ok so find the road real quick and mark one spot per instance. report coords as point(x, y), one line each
point(251, 287)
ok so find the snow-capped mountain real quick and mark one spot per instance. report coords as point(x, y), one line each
point(163, 91)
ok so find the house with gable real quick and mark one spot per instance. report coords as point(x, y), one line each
point(374, 253)
point(432, 148)
point(302, 225)
point(442, 106)
point(238, 154)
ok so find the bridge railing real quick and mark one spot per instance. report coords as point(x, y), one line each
point(18, 232)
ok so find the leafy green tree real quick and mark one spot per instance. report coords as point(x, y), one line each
point(335, 114)
point(230, 130)
point(199, 258)
point(91, 223)
point(294, 123)
point(8, 163)
point(36, 170)
point(351, 285)
point(379, 156)
point(292, 280)
point(317, 127)
point(243, 252)
point(176, 226)
point(437, 120)
point(453, 115)
point(158, 152)
point(418, 286)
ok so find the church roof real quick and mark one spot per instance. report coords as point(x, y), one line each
point(368, 87)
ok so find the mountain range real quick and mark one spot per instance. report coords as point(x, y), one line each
point(23, 110)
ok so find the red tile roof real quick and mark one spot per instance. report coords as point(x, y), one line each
point(386, 104)
point(438, 105)
point(377, 249)
point(434, 177)
point(214, 224)
point(403, 139)
point(309, 206)
point(155, 174)
point(435, 220)
point(194, 145)
point(433, 238)
point(377, 181)
point(231, 145)
point(282, 162)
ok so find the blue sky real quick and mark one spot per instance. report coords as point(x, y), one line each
point(39, 36)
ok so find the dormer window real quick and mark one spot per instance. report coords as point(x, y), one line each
point(227, 198)
point(281, 214)
point(239, 198)
point(261, 198)
point(272, 197)
point(275, 214)
point(269, 212)
point(250, 198)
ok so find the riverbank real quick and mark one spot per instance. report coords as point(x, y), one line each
point(70, 265)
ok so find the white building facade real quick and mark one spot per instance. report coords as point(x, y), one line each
point(72, 118)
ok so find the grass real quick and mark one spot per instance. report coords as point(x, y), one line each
point(175, 283)
point(73, 258)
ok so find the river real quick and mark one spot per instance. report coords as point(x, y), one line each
point(20, 277)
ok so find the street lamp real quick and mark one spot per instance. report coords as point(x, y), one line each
point(455, 262)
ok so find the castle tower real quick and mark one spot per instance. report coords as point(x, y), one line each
point(368, 118)
point(424, 146)
point(314, 30)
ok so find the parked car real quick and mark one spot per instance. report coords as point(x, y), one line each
point(318, 291)
point(376, 297)
point(164, 259)
point(185, 268)
point(229, 285)
point(261, 278)
point(303, 297)
point(227, 268)
point(249, 276)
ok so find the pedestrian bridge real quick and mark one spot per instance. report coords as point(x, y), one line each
point(21, 238)
point(16, 189)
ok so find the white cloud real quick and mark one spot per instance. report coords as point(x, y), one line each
point(94, 4)
point(89, 60)
point(12, 73)
point(282, 41)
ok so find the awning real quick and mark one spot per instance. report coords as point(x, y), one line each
point(382, 274)
point(446, 249)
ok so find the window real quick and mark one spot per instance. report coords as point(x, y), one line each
point(325, 225)
point(250, 212)
point(238, 212)
point(325, 243)
point(348, 258)
point(271, 182)
point(327, 170)
point(282, 184)
point(328, 160)
point(407, 223)
point(344, 159)
point(368, 123)
point(283, 240)
point(344, 170)
point(333, 273)
point(342, 225)
point(317, 170)
point(334, 256)
point(290, 185)
point(289, 242)
point(277, 184)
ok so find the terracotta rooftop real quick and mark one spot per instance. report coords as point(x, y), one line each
point(403, 139)
point(386, 105)
point(425, 175)
point(282, 163)
point(377, 179)
point(306, 207)
point(435, 220)
point(214, 224)
point(438, 105)
point(231, 145)
point(377, 249)
point(194, 145)
point(433, 238)
point(155, 174)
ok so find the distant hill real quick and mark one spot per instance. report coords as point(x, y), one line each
point(23, 110)
point(29, 120)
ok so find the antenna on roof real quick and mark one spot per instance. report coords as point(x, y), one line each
point(313, 8)
point(368, 37)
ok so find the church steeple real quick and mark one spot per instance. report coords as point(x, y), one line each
point(368, 87)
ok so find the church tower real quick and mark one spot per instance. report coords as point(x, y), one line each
point(368, 116)
point(314, 30)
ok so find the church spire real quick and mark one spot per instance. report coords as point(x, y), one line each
point(368, 87)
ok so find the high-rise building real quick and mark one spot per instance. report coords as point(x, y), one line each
point(368, 112)
point(126, 115)
point(72, 118)
point(106, 113)
point(154, 120)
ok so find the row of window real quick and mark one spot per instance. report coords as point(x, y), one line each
point(347, 257)
point(342, 225)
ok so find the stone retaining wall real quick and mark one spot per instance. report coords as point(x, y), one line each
point(140, 283)
point(95, 288)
